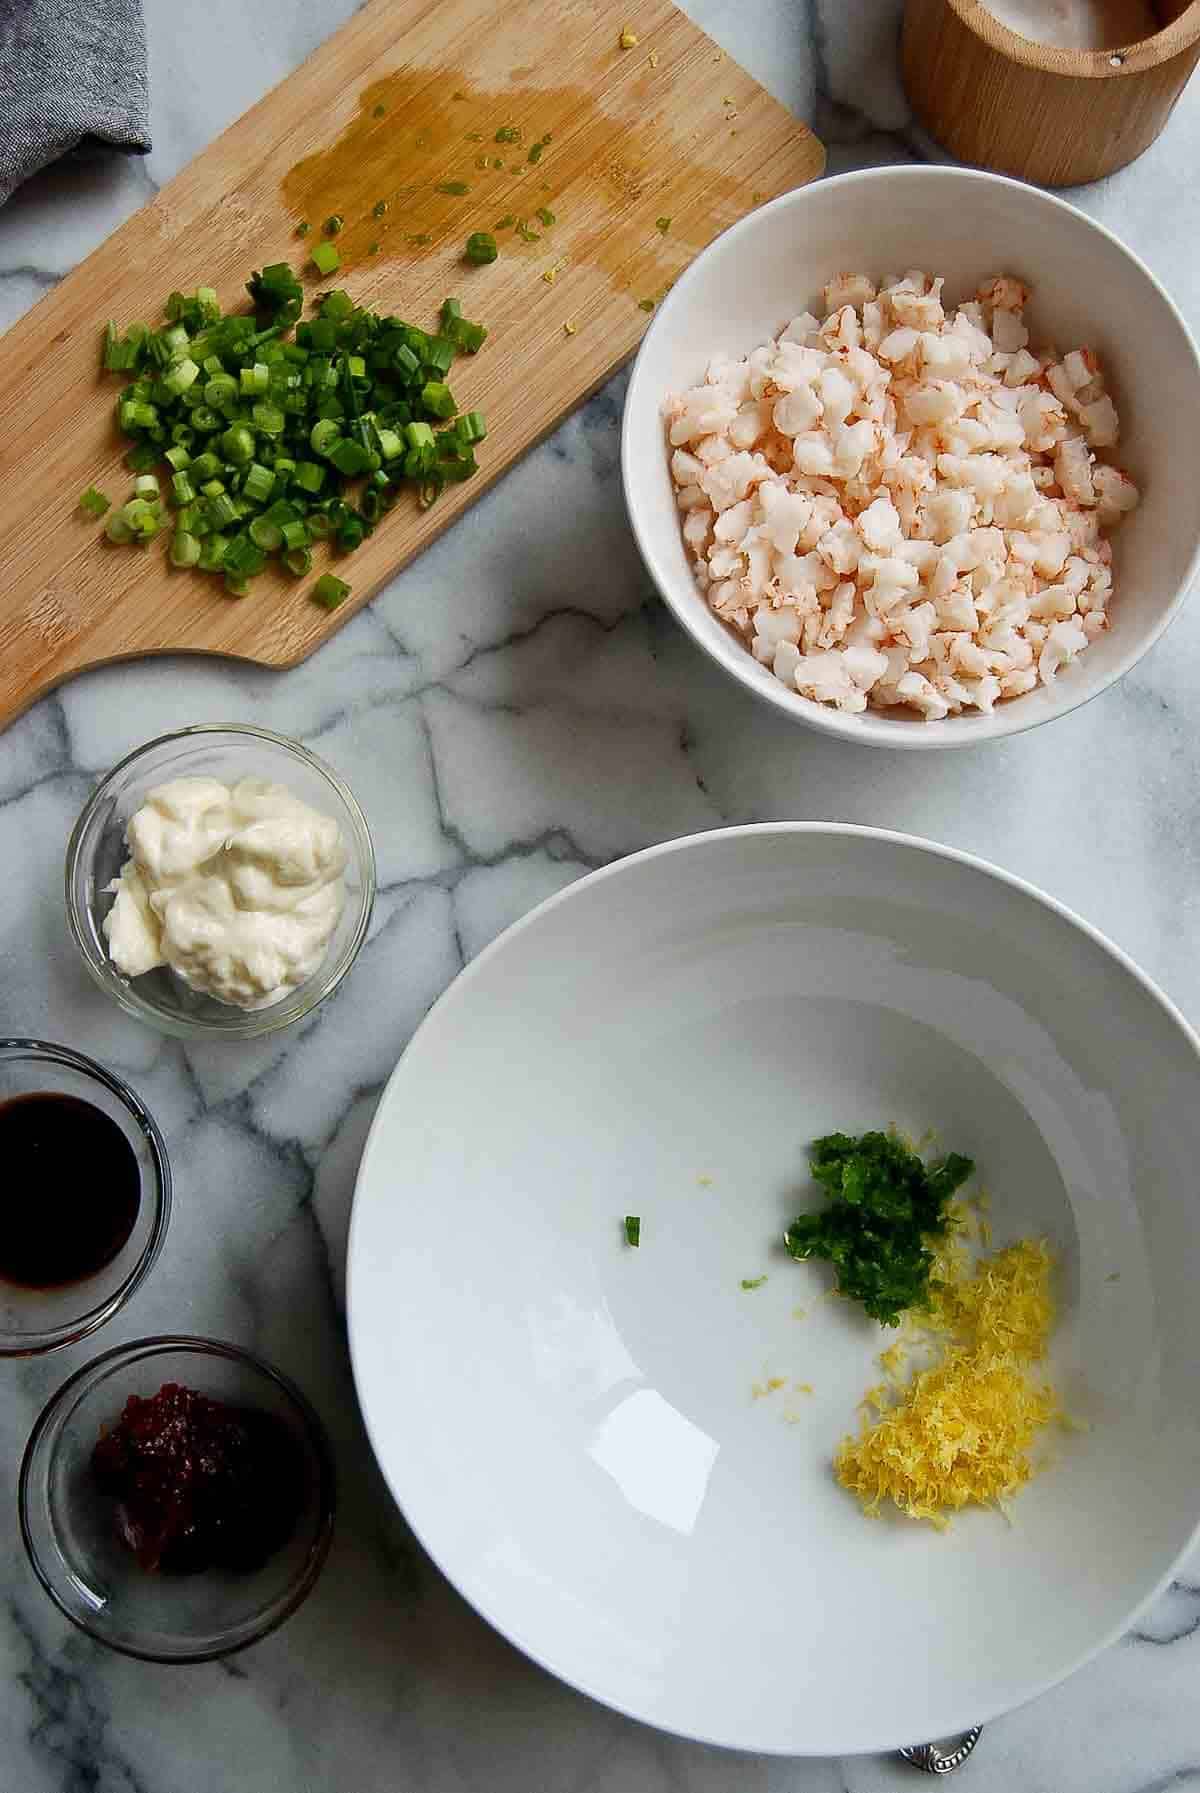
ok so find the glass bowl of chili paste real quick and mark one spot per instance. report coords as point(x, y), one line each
point(177, 1498)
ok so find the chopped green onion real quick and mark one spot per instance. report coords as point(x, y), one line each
point(325, 258)
point(753, 1282)
point(633, 1229)
point(185, 549)
point(545, 216)
point(260, 436)
point(508, 134)
point(372, 248)
point(471, 427)
point(265, 534)
point(259, 483)
point(94, 502)
point(178, 378)
point(481, 248)
point(378, 111)
point(662, 224)
point(329, 592)
point(333, 224)
point(455, 187)
point(324, 434)
point(238, 443)
point(645, 304)
point(309, 476)
point(438, 399)
point(535, 152)
point(505, 223)
point(303, 228)
point(526, 235)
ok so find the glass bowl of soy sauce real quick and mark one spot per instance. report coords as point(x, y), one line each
point(89, 1195)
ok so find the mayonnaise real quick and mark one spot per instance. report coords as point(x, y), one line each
point(237, 888)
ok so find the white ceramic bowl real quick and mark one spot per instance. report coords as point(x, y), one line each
point(1088, 288)
point(569, 1424)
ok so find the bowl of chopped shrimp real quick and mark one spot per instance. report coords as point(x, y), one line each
point(912, 454)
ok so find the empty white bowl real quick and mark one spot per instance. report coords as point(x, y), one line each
point(1088, 289)
point(571, 1425)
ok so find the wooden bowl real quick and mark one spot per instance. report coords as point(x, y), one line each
point(1041, 111)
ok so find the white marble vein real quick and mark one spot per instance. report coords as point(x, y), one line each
point(511, 718)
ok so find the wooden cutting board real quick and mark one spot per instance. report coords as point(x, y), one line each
point(408, 95)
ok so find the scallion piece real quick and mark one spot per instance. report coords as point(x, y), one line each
point(329, 592)
point(325, 258)
point(145, 486)
point(333, 224)
point(185, 549)
point(438, 399)
point(481, 248)
point(94, 502)
point(309, 476)
point(265, 534)
point(633, 1229)
point(298, 562)
point(259, 483)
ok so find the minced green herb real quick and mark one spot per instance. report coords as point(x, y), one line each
point(645, 304)
point(545, 216)
point(457, 188)
point(505, 223)
point(333, 224)
point(663, 225)
point(633, 1229)
point(378, 111)
point(379, 208)
point(302, 228)
point(508, 134)
point(753, 1282)
point(886, 1202)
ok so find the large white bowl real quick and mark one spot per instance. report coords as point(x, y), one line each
point(1088, 288)
point(569, 1424)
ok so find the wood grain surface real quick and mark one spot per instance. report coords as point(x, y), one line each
point(1043, 111)
point(408, 95)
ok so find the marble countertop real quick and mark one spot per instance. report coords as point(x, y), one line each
point(506, 731)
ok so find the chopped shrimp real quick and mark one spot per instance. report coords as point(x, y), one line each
point(899, 506)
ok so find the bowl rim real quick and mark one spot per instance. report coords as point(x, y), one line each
point(954, 1723)
point(247, 1024)
point(155, 1345)
point(72, 1332)
point(868, 729)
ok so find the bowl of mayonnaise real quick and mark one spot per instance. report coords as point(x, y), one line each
point(220, 881)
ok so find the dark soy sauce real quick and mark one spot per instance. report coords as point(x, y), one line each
point(71, 1190)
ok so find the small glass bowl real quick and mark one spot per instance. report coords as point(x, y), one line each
point(42, 1319)
point(69, 1528)
point(97, 851)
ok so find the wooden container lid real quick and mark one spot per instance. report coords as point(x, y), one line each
point(1040, 111)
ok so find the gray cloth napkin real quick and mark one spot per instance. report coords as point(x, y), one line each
point(72, 77)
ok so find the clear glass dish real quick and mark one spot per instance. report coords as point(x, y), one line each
point(97, 851)
point(69, 1527)
point(42, 1319)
